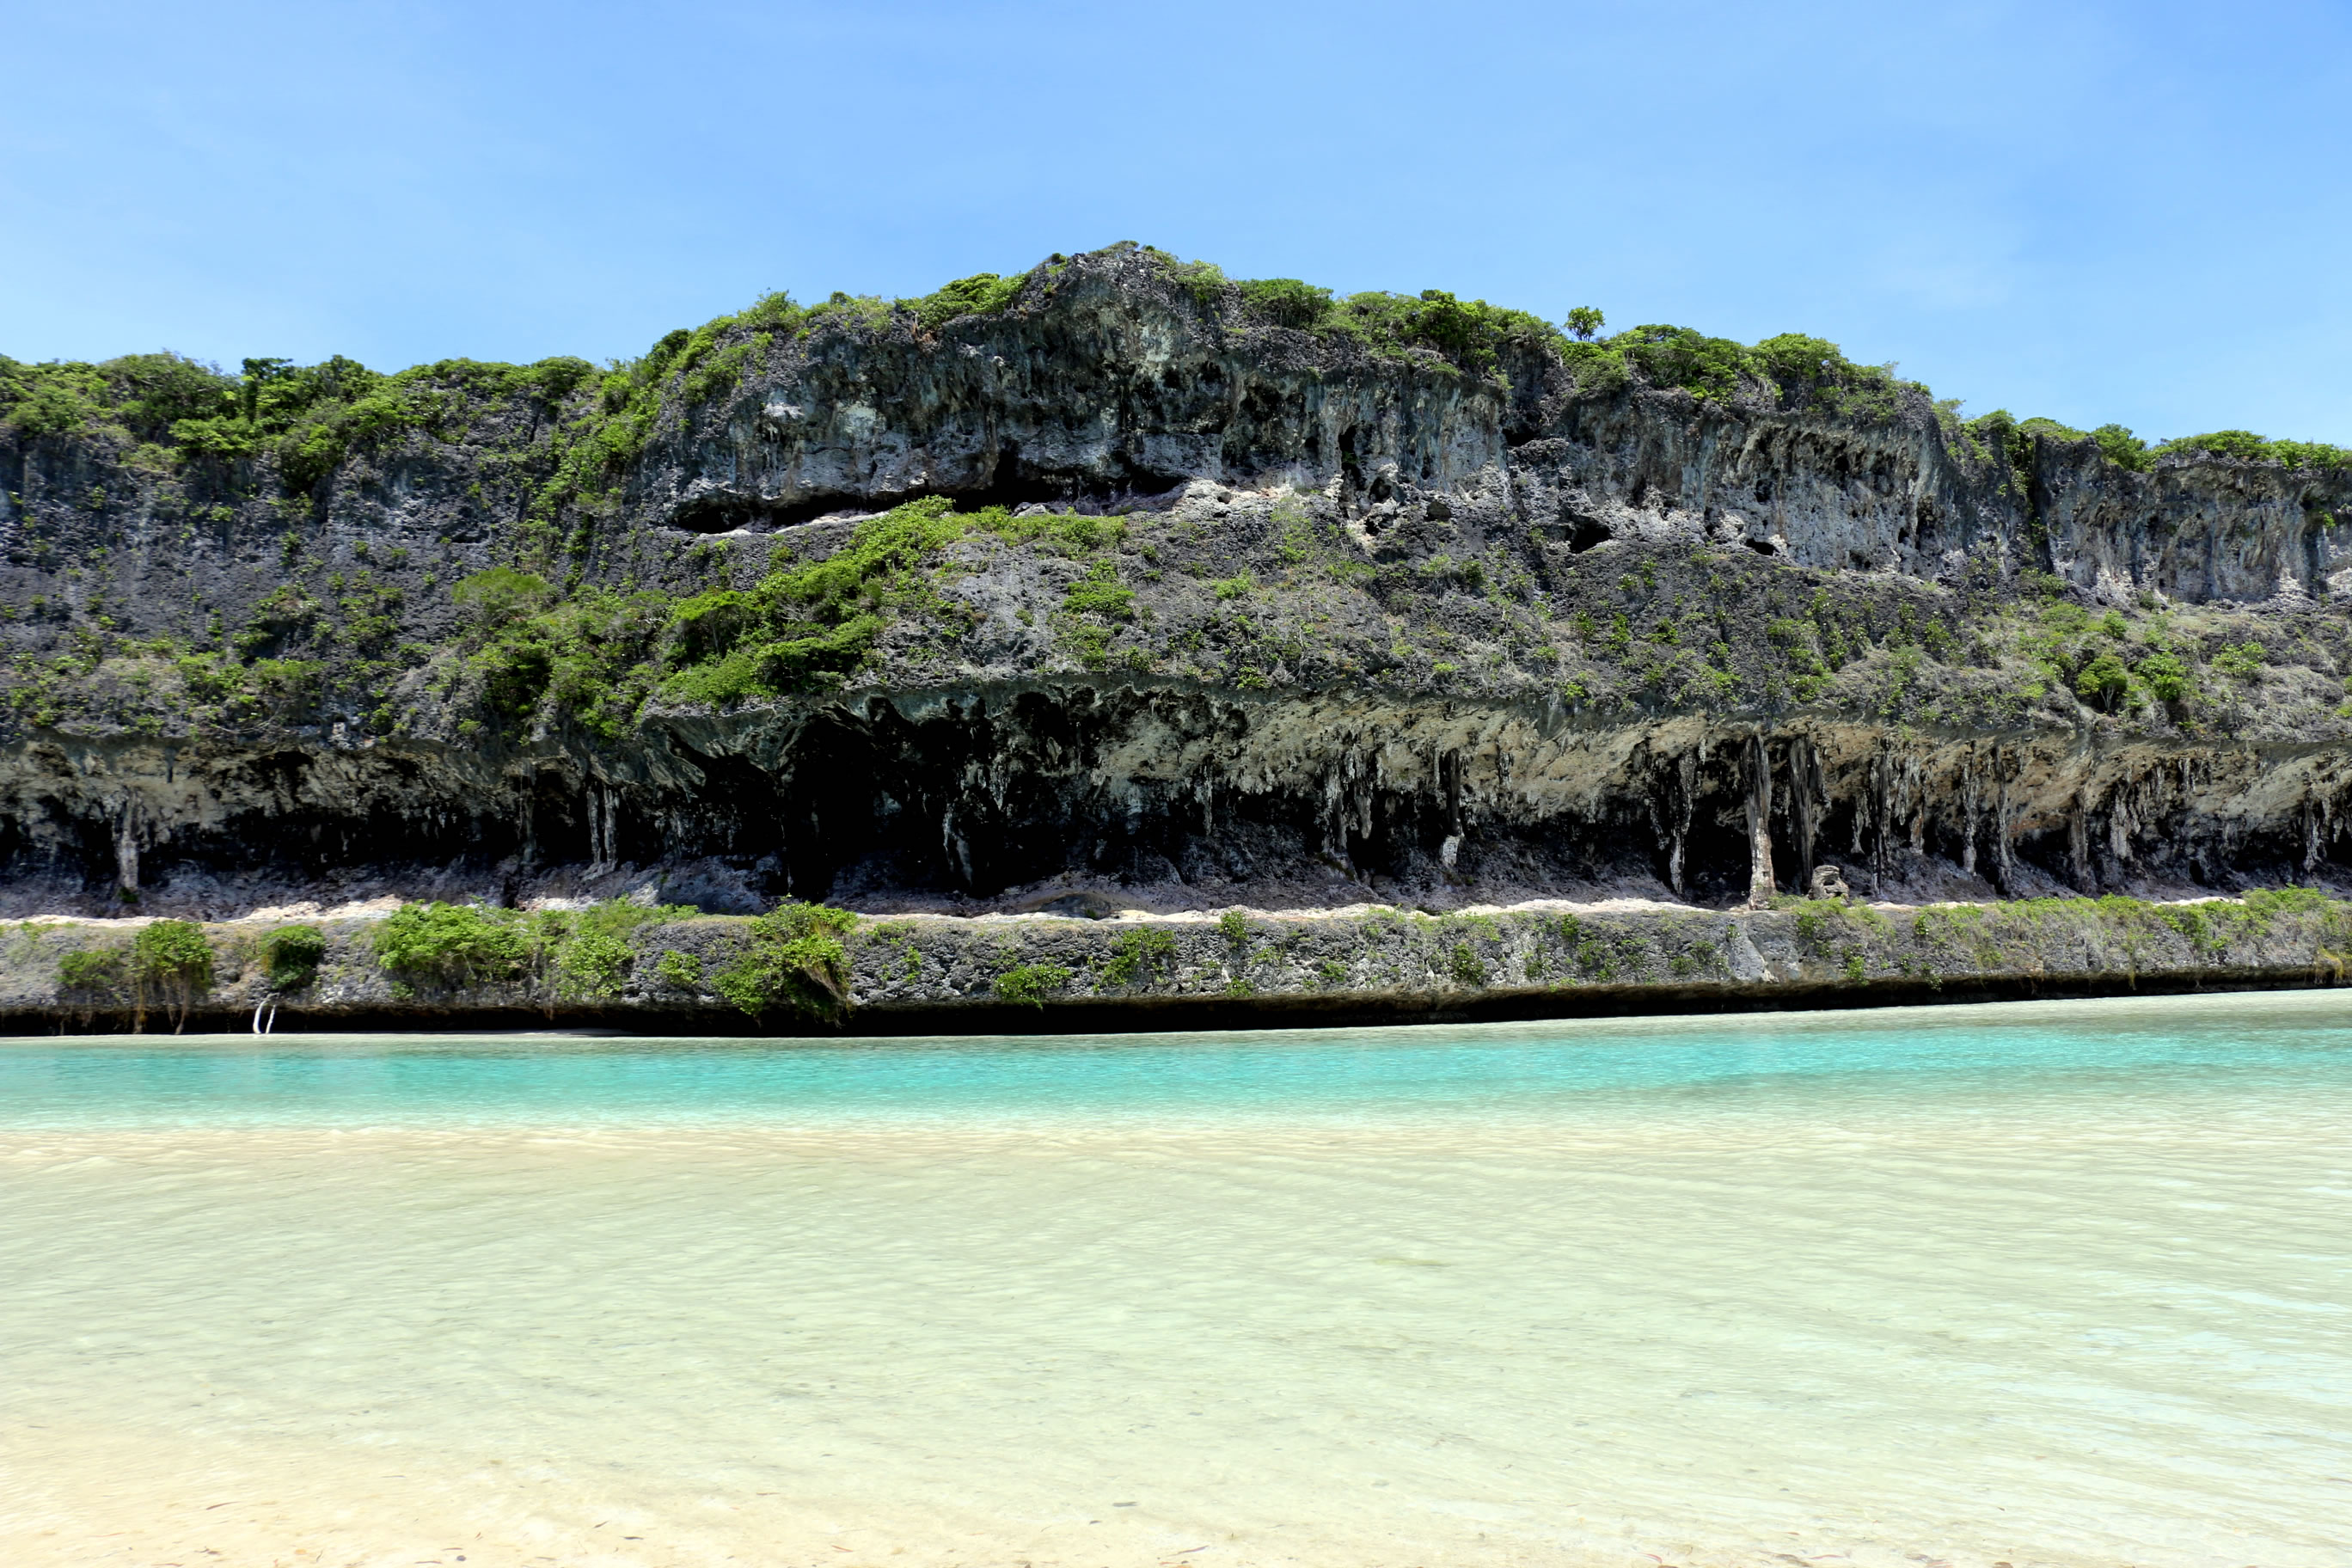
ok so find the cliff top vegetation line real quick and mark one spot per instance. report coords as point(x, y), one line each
point(172, 409)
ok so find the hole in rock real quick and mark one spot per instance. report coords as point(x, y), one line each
point(709, 514)
point(1587, 534)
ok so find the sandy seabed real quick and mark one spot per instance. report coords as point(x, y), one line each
point(1898, 1290)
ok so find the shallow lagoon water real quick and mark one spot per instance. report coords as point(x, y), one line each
point(2048, 1283)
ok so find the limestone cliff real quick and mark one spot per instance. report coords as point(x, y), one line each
point(1249, 597)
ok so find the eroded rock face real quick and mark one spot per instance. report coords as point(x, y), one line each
point(1120, 384)
point(1400, 633)
point(1181, 797)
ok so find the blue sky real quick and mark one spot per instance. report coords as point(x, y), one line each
point(2092, 212)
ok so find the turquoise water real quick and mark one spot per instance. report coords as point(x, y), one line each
point(2061, 1284)
point(1756, 1061)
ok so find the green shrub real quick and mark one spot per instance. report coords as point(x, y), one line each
point(982, 294)
point(1677, 356)
point(452, 945)
point(1097, 595)
point(2167, 676)
point(791, 957)
point(2190, 921)
point(2241, 661)
point(500, 594)
point(173, 952)
point(598, 654)
point(1470, 332)
point(49, 399)
point(800, 624)
point(717, 375)
point(678, 971)
point(1791, 361)
point(2121, 447)
point(772, 312)
point(1087, 643)
point(569, 955)
point(1466, 968)
point(290, 956)
point(2050, 430)
point(1235, 925)
point(1099, 592)
point(1205, 281)
point(93, 974)
point(2240, 444)
point(2247, 446)
point(1598, 369)
point(587, 953)
point(591, 963)
point(1135, 953)
point(1793, 370)
point(1286, 301)
point(867, 312)
point(585, 655)
point(1031, 983)
point(2266, 902)
point(2102, 681)
point(171, 960)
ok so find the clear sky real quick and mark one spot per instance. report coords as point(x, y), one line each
point(2093, 212)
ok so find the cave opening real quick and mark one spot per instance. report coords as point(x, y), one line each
point(1011, 485)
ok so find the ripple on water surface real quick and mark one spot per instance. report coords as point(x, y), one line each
point(2053, 1283)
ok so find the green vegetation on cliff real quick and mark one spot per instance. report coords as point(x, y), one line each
point(290, 956)
point(900, 601)
point(596, 655)
point(564, 956)
point(791, 960)
point(590, 425)
point(167, 963)
point(560, 627)
point(306, 419)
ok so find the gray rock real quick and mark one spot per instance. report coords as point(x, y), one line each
point(1403, 630)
